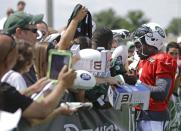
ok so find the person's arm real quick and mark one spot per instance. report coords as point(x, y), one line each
point(69, 33)
point(58, 111)
point(165, 69)
point(160, 91)
point(38, 86)
point(108, 80)
point(47, 105)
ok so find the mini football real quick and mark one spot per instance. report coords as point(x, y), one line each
point(90, 54)
point(121, 51)
point(84, 80)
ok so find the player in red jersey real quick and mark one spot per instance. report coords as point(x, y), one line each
point(157, 70)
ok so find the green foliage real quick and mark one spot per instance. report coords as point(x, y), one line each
point(109, 19)
point(174, 26)
point(136, 19)
point(131, 21)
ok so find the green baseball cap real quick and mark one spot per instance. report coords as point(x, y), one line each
point(20, 19)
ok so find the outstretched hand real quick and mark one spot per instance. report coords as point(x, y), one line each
point(40, 84)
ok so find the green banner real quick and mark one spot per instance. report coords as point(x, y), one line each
point(87, 120)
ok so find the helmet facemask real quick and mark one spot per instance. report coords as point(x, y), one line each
point(144, 50)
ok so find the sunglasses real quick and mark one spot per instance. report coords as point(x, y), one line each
point(32, 30)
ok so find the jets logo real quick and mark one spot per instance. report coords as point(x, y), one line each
point(160, 31)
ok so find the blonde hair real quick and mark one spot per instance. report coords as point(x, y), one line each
point(40, 59)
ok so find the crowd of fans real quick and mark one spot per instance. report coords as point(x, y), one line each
point(26, 39)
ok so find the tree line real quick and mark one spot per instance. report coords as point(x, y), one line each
point(131, 21)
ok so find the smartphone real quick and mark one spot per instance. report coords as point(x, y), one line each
point(56, 60)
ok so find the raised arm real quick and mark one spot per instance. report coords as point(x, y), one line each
point(69, 33)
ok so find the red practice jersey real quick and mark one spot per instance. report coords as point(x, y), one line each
point(160, 65)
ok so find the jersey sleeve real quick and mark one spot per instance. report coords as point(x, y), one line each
point(166, 68)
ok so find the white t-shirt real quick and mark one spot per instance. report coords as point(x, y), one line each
point(15, 79)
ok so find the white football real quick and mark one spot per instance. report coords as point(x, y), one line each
point(122, 51)
point(87, 59)
point(84, 80)
point(90, 54)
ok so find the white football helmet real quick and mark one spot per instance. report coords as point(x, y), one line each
point(153, 33)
